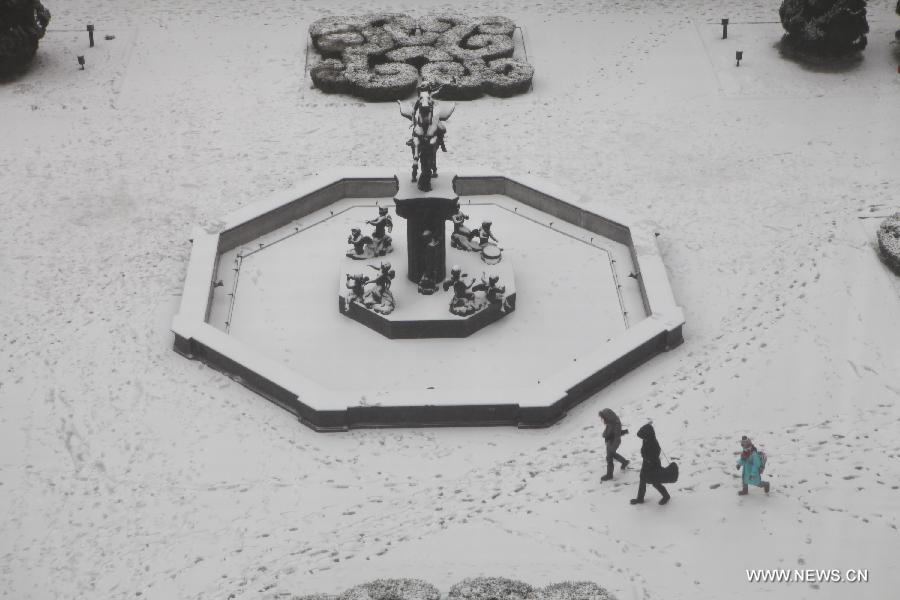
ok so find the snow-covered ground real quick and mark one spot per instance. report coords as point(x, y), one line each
point(127, 470)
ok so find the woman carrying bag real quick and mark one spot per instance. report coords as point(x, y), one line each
point(652, 471)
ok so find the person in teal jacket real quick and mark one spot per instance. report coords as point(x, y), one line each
point(751, 463)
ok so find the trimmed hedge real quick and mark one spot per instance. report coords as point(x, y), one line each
point(506, 77)
point(392, 589)
point(381, 56)
point(387, 81)
point(889, 242)
point(335, 43)
point(478, 588)
point(441, 22)
point(329, 77)
point(490, 588)
point(418, 55)
point(460, 82)
point(405, 32)
point(463, 44)
point(572, 590)
point(496, 26)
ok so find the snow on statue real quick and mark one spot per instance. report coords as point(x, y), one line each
point(428, 132)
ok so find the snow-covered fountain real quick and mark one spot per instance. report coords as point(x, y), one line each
point(469, 333)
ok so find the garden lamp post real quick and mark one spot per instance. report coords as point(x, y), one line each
point(738, 55)
point(90, 30)
point(724, 29)
point(81, 62)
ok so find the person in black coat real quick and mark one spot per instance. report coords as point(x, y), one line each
point(651, 469)
point(612, 436)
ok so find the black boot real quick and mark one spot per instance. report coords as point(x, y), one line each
point(609, 471)
point(663, 492)
point(642, 489)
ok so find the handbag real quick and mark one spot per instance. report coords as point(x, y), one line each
point(669, 474)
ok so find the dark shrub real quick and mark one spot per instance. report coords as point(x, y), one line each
point(889, 242)
point(824, 28)
point(22, 24)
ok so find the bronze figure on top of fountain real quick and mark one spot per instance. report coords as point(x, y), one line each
point(428, 130)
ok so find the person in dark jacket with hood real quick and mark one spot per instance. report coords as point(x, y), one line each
point(651, 469)
point(612, 435)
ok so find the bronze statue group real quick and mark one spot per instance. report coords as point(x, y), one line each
point(379, 297)
point(463, 301)
point(378, 243)
point(752, 461)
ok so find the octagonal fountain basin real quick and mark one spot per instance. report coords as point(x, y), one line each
point(589, 300)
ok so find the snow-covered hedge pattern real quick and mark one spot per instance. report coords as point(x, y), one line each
point(478, 588)
point(381, 56)
point(889, 241)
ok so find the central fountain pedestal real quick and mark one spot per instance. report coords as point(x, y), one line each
point(426, 212)
point(424, 311)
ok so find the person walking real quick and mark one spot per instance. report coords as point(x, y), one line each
point(751, 463)
point(651, 468)
point(612, 435)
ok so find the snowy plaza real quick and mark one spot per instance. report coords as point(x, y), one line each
point(129, 471)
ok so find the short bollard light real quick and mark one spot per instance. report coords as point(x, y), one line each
point(724, 29)
point(738, 55)
point(81, 62)
point(90, 30)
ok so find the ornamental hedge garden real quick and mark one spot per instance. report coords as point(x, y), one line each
point(383, 56)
